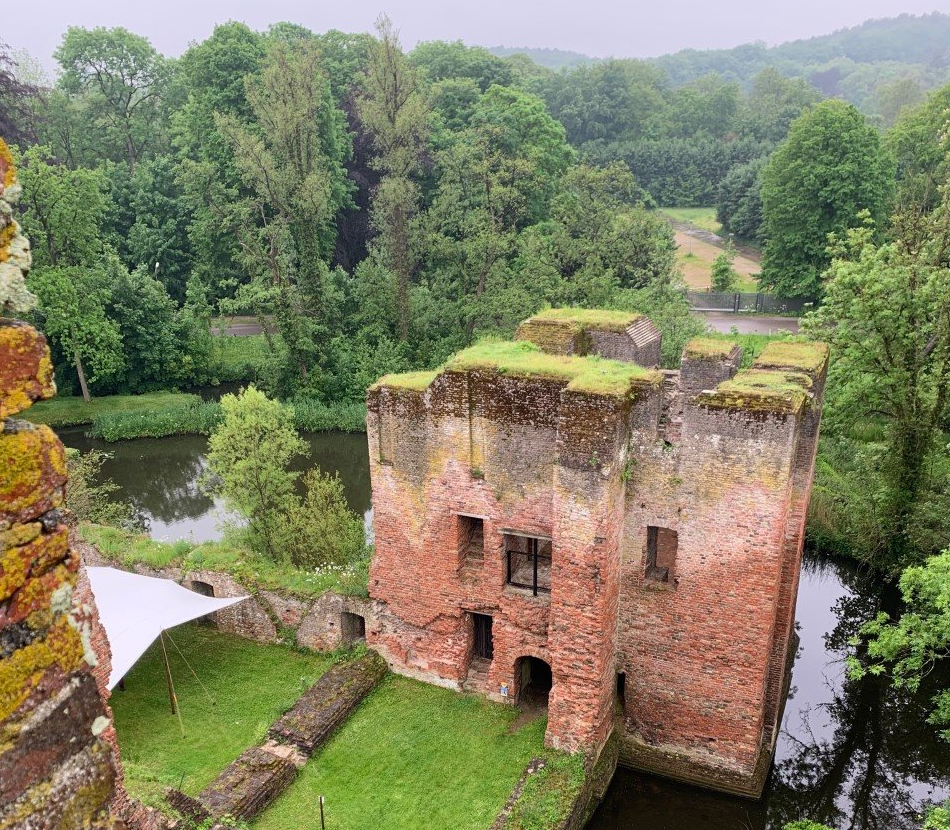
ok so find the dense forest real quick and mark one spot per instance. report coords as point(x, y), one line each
point(376, 210)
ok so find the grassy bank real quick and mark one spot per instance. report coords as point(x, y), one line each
point(238, 358)
point(701, 217)
point(63, 412)
point(412, 756)
point(200, 418)
point(251, 685)
point(247, 567)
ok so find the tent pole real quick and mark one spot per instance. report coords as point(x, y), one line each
point(172, 697)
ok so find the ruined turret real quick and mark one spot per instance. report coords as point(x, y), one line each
point(559, 521)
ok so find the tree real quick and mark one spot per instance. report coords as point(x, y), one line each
point(832, 167)
point(439, 60)
point(16, 96)
point(739, 204)
point(211, 78)
point(886, 316)
point(324, 531)
point(393, 108)
point(291, 160)
point(158, 237)
point(496, 178)
point(722, 274)
point(122, 79)
point(908, 648)
point(248, 455)
point(774, 103)
point(73, 315)
point(90, 496)
point(63, 210)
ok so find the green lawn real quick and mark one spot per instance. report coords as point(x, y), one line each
point(61, 412)
point(412, 756)
point(701, 217)
point(252, 685)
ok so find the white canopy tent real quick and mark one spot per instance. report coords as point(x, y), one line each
point(136, 609)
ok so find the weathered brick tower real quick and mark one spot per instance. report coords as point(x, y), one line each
point(557, 519)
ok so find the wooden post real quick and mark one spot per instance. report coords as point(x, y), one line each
point(322, 825)
point(172, 697)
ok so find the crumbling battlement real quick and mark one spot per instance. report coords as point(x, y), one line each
point(639, 532)
point(55, 768)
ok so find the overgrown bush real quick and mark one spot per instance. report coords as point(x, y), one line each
point(323, 530)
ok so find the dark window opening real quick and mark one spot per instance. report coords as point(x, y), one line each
point(471, 537)
point(483, 646)
point(534, 681)
point(352, 627)
point(661, 554)
point(529, 562)
point(205, 590)
point(621, 688)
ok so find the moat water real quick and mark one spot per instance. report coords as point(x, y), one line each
point(856, 755)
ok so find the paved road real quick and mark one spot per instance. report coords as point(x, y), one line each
point(749, 324)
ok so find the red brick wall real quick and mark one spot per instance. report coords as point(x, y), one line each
point(704, 655)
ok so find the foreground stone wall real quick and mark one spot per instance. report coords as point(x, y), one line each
point(676, 513)
point(56, 769)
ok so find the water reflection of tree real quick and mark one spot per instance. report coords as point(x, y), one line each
point(874, 769)
point(161, 477)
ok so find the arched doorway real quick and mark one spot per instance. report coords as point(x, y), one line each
point(534, 679)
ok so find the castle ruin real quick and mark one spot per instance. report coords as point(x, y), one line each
point(559, 521)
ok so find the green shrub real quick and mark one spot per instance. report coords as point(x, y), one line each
point(324, 531)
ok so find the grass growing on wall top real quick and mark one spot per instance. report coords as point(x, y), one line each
point(252, 685)
point(61, 412)
point(596, 318)
point(415, 381)
point(595, 375)
point(412, 756)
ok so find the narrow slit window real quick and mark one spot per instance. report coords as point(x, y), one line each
point(528, 562)
point(660, 563)
point(471, 538)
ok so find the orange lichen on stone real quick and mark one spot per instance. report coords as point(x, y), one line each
point(7, 170)
point(33, 557)
point(22, 671)
point(32, 471)
point(26, 371)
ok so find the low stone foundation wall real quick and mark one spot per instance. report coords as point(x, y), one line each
point(266, 616)
point(261, 773)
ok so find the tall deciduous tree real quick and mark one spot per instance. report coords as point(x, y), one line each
point(886, 316)
point(73, 315)
point(63, 210)
point(291, 159)
point(122, 78)
point(393, 108)
point(832, 167)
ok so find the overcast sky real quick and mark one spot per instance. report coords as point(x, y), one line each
point(623, 28)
